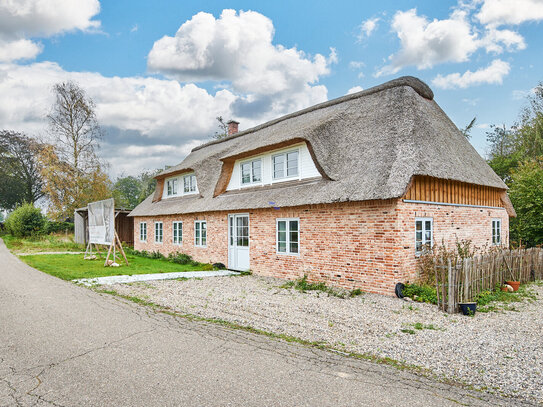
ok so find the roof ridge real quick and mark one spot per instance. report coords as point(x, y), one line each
point(419, 86)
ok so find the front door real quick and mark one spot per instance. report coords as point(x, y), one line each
point(238, 242)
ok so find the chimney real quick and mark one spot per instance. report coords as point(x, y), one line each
point(232, 127)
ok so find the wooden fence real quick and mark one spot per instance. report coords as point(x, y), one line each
point(460, 280)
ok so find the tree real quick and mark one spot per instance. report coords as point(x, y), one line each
point(69, 189)
point(127, 191)
point(527, 197)
point(504, 155)
point(467, 130)
point(74, 127)
point(71, 169)
point(223, 129)
point(19, 170)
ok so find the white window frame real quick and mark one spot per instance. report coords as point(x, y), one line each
point(179, 236)
point(424, 241)
point(285, 166)
point(198, 239)
point(171, 187)
point(143, 231)
point(498, 222)
point(252, 181)
point(161, 232)
point(193, 187)
point(287, 252)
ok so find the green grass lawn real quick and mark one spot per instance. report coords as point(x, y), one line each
point(49, 243)
point(73, 266)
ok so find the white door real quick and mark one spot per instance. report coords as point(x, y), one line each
point(238, 242)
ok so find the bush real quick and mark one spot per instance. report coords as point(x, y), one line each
point(180, 258)
point(56, 227)
point(26, 221)
point(420, 293)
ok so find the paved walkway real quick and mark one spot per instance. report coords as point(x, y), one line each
point(155, 276)
point(65, 345)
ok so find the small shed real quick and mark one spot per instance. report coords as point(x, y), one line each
point(124, 225)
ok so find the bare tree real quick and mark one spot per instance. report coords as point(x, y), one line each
point(73, 124)
point(223, 129)
point(467, 130)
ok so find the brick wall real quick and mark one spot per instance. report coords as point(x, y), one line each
point(450, 224)
point(368, 245)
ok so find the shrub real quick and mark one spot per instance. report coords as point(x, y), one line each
point(420, 293)
point(180, 258)
point(25, 221)
point(56, 227)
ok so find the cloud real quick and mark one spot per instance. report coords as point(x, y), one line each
point(237, 47)
point(495, 41)
point(426, 43)
point(18, 50)
point(354, 90)
point(153, 121)
point(500, 12)
point(20, 20)
point(134, 28)
point(493, 74)
point(367, 28)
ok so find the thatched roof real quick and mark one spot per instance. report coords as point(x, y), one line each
point(367, 145)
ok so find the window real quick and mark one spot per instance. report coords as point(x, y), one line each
point(189, 183)
point(285, 165)
point(288, 236)
point(143, 231)
point(172, 186)
point(158, 232)
point(423, 233)
point(251, 172)
point(200, 233)
point(496, 231)
point(177, 232)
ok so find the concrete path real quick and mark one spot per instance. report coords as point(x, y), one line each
point(150, 277)
point(65, 345)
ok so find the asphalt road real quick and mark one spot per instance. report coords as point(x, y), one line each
point(65, 345)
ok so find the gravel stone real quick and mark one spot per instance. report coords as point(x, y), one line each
point(498, 351)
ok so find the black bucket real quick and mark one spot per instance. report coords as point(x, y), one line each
point(468, 308)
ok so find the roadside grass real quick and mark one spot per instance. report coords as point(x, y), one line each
point(48, 243)
point(70, 266)
point(398, 364)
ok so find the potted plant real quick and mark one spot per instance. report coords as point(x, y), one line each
point(468, 308)
point(513, 282)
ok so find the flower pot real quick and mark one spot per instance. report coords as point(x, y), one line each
point(468, 308)
point(514, 284)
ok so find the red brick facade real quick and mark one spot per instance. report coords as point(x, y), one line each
point(368, 245)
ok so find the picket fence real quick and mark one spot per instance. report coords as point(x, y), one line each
point(460, 280)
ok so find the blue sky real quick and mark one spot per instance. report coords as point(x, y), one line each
point(158, 89)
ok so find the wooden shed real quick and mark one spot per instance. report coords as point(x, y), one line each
point(124, 226)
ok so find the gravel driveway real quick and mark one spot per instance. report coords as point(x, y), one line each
point(501, 352)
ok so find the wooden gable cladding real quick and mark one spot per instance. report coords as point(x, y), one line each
point(430, 189)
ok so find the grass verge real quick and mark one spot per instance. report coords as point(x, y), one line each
point(48, 243)
point(70, 266)
point(303, 286)
point(401, 365)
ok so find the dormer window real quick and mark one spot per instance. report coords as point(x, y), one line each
point(172, 186)
point(251, 172)
point(189, 183)
point(285, 165)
